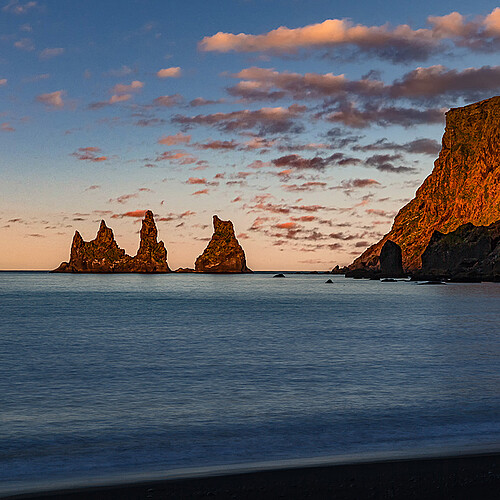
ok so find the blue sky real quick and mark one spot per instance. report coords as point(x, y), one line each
point(309, 138)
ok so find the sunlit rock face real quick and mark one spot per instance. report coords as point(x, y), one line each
point(223, 254)
point(469, 253)
point(103, 255)
point(152, 254)
point(463, 187)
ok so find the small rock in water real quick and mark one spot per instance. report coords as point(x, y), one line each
point(328, 281)
point(388, 280)
point(279, 276)
point(432, 283)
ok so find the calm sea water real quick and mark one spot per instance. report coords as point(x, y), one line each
point(123, 374)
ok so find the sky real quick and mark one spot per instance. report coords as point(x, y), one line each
point(308, 124)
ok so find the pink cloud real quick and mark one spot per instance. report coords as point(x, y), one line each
point(137, 214)
point(286, 225)
point(196, 180)
point(121, 88)
point(174, 72)
point(328, 34)
point(172, 140)
point(89, 153)
point(380, 213)
point(119, 98)
point(202, 191)
point(180, 157)
point(25, 44)
point(52, 99)
point(398, 43)
point(6, 127)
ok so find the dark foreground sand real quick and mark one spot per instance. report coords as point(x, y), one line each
point(454, 477)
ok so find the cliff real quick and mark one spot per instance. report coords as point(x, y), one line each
point(223, 254)
point(103, 255)
point(463, 186)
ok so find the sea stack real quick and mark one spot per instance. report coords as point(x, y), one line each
point(103, 255)
point(391, 260)
point(152, 254)
point(462, 188)
point(223, 254)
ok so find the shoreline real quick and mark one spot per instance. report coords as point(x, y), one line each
point(429, 475)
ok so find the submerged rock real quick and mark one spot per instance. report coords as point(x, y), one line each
point(103, 255)
point(223, 254)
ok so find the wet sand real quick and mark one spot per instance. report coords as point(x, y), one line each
point(473, 476)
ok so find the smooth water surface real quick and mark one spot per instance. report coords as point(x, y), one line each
point(107, 374)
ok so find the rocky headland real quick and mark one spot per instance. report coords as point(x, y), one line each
point(103, 255)
point(223, 253)
point(463, 189)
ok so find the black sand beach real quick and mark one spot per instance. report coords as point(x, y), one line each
point(473, 476)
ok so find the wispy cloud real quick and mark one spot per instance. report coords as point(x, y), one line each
point(25, 44)
point(6, 127)
point(90, 153)
point(18, 8)
point(172, 140)
point(168, 101)
point(121, 88)
point(49, 53)
point(136, 214)
point(266, 120)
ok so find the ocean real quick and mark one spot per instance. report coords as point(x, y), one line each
point(118, 375)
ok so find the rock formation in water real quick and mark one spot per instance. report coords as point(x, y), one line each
point(223, 254)
point(391, 260)
point(463, 187)
point(390, 264)
point(103, 255)
point(152, 254)
point(470, 253)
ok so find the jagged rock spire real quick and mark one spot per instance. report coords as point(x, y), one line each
point(223, 253)
point(103, 255)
